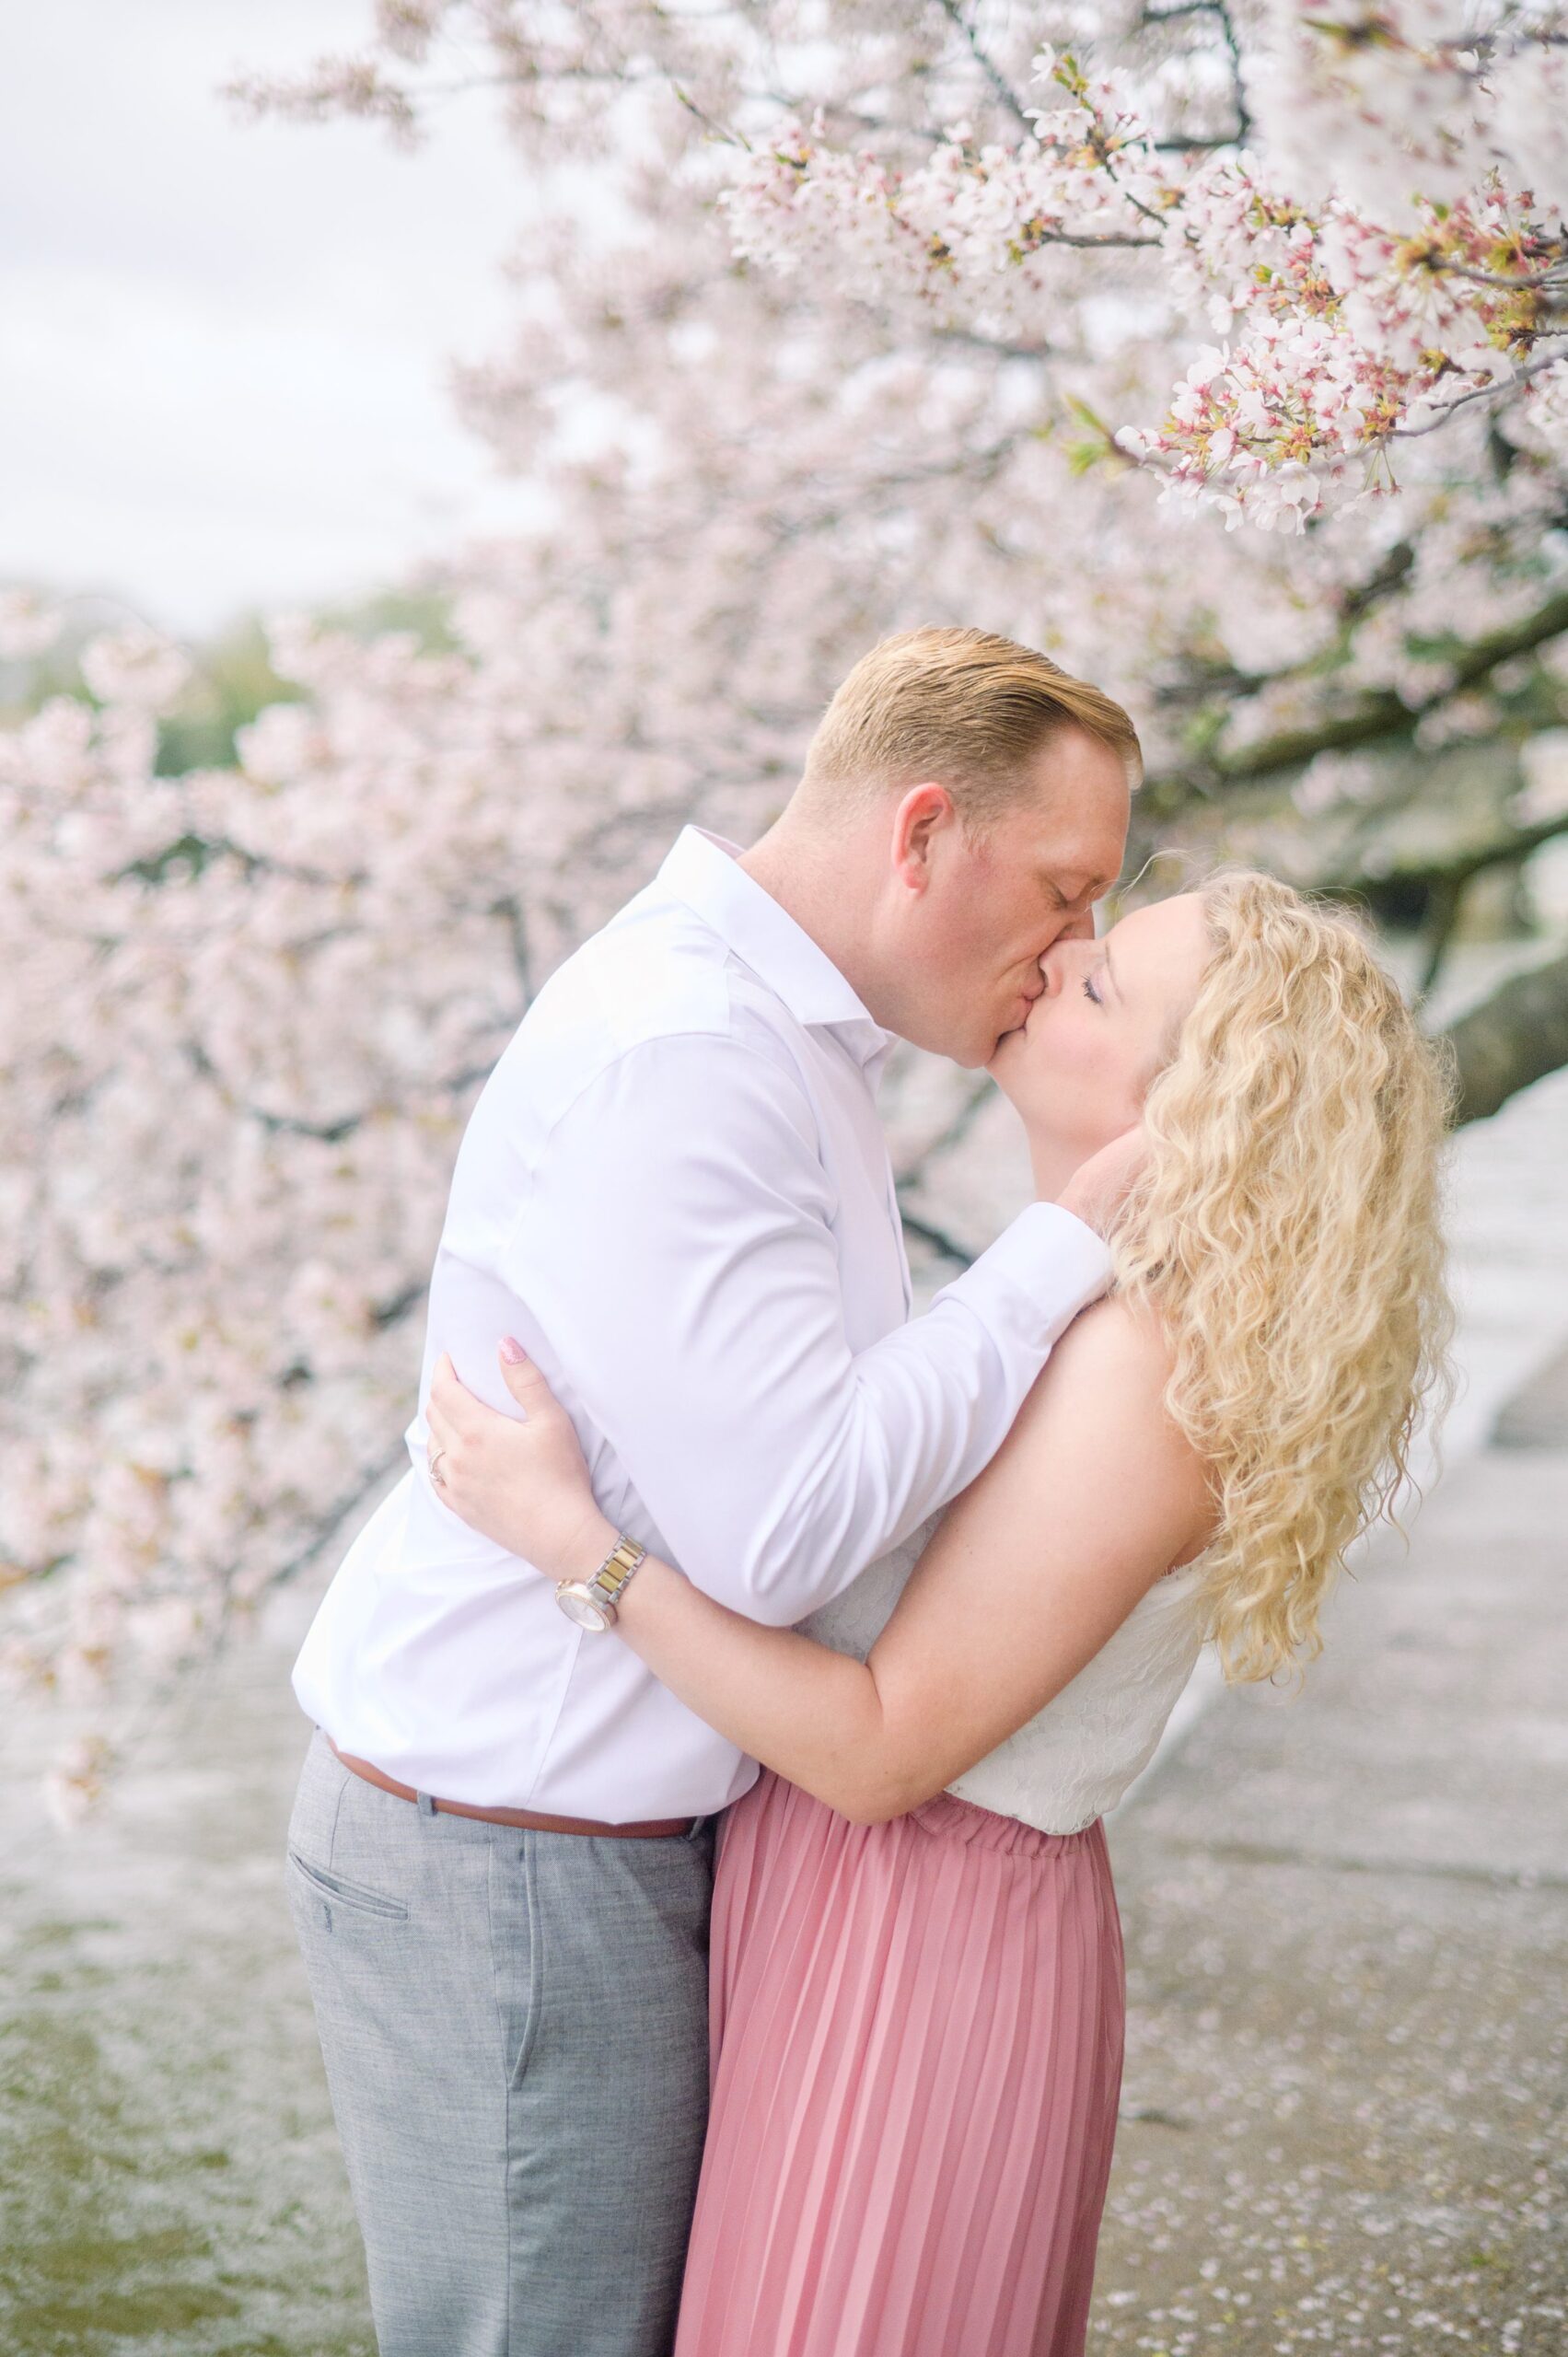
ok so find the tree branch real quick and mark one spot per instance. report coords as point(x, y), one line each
point(938, 1238)
point(1514, 1036)
point(1506, 385)
point(1445, 875)
point(1447, 898)
point(1220, 10)
point(1385, 714)
point(1002, 89)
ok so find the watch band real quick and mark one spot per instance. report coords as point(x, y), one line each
point(591, 1603)
point(609, 1582)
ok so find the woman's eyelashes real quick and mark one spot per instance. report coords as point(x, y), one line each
point(1089, 991)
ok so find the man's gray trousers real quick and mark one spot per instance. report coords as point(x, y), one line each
point(515, 2030)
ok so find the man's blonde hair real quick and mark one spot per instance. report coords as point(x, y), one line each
point(962, 707)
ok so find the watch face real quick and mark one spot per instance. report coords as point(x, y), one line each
point(579, 1606)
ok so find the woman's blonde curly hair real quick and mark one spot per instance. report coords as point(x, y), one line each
point(1286, 1234)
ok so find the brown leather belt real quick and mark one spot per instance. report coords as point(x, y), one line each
point(527, 1820)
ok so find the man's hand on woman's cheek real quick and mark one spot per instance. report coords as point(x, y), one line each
point(1099, 1188)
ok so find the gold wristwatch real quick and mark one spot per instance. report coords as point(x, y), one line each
point(591, 1603)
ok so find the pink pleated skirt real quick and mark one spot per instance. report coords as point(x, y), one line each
point(916, 2041)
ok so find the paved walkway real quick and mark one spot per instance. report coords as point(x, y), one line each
point(1345, 2117)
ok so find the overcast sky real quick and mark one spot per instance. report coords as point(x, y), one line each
point(222, 343)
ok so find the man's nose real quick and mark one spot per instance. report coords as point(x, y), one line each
point(1062, 958)
point(1078, 928)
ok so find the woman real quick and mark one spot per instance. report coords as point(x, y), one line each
point(917, 1973)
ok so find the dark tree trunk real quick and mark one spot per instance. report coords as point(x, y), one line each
point(1511, 1039)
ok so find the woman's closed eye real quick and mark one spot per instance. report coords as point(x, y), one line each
point(1090, 992)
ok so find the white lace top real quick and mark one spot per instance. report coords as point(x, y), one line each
point(1075, 1758)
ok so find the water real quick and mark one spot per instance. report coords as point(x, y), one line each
point(169, 2180)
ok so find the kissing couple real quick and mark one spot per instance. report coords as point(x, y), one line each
point(699, 1858)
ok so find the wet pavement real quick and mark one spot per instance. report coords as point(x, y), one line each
point(170, 2183)
point(1345, 2109)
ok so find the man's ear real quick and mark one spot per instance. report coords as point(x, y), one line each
point(923, 812)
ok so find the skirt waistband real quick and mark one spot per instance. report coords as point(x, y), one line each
point(947, 1816)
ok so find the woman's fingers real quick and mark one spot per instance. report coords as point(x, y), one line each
point(523, 1379)
point(446, 1387)
point(451, 1399)
point(443, 1386)
point(477, 1451)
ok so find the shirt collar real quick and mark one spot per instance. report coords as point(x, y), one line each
point(703, 870)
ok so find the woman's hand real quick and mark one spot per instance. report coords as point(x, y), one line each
point(522, 1481)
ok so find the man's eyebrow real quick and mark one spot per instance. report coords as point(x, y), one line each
point(1095, 890)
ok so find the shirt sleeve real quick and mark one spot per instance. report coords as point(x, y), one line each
point(677, 1249)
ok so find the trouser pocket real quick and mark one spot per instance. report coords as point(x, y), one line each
point(335, 1889)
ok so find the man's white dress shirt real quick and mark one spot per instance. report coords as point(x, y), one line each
point(673, 1190)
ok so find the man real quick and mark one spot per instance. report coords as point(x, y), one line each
point(673, 1190)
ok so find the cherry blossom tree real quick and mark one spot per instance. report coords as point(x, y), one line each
point(1217, 351)
point(910, 306)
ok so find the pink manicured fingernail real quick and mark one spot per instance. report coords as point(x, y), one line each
point(512, 1351)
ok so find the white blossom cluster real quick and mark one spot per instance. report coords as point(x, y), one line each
point(1381, 240)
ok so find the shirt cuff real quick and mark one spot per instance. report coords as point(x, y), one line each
point(1030, 1284)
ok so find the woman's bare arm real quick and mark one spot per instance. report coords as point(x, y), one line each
point(1093, 1496)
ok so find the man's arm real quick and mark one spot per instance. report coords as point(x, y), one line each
point(676, 1251)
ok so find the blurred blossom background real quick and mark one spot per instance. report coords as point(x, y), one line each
point(443, 448)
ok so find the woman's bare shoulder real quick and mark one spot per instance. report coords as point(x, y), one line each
point(1112, 1366)
point(1114, 1363)
point(1112, 1339)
